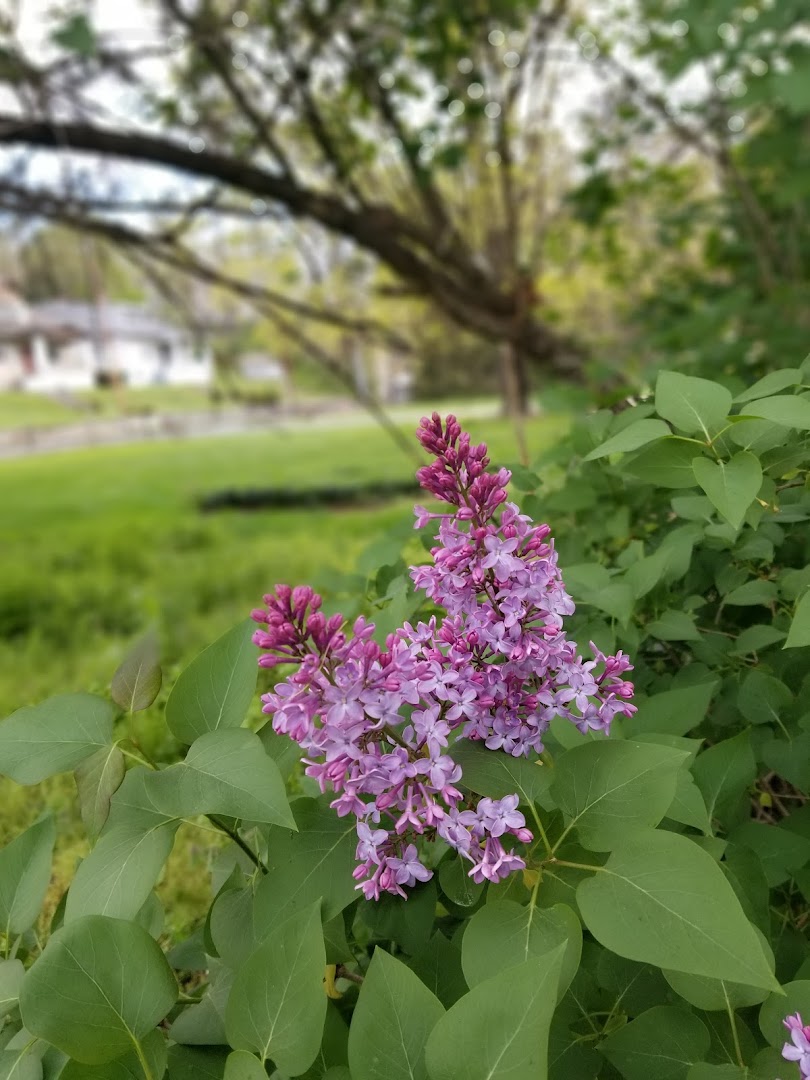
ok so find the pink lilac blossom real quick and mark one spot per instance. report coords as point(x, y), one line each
point(798, 1049)
point(377, 724)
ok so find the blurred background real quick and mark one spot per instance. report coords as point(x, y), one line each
point(245, 246)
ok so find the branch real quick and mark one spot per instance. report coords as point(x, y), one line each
point(166, 249)
point(378, 229)
point(210, 46)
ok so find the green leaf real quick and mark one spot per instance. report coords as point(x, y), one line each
point(638, 987)
point(752, 592)
point(54, 736)
point(642, 576)
point(334, 1049)
point(781, 851)
point(316, 861)
point(693, 507)
point(25, 872)
point(224, 772)
point(673, 711)
point(636, 435)
point(277, 1005)
point(231, 925)
point(244, 1066)
point(789, 759)
point(755, 638)
point(714, 995)
point(724, 771)
point(217, 687)
point(497, 775)
point(795, 998)
point(616, 600)
point(745, 874)
point(661, 900)
point(694, 406)
point(99, 986)
point(137, 681)
point(335, 941)
point(128, 1067)
point(189, 1063)
point(282, 749)
point(406, 922)
point(133, 805)
point(605, 789)
point(456, 883)
point(394, 1015)
point(669, 563)
point(204, 1024)
point(759, 436)
point(438, 965)
point(791, 86)
point(77, 35)
point(688, 806)
point(118, 875)
point(500, 1029)
point(504, 934)
point(151, 916)
point(771, 383)
point(97, 780)
point(799, 633)
point(523, 479)
point(662, 1044)
point(731, 485)
point(667, 464)
point(20, 1064)
point(702, 1070)
point(674, 626)
point(11, 977)
point(785, 409)
point(586, 577)
point(762, 698)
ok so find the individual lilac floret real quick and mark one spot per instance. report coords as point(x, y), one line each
point(798, 1049)
point(377, 726)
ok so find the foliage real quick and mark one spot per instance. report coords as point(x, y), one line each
point(680, 159)
point(658, 926)
point(57, 264)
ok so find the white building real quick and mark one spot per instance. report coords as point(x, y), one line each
point(63, 345)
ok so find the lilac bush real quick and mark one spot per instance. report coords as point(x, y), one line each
point(377, 725)
point(668, 876)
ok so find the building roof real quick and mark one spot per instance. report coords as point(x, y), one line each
point(132, 321)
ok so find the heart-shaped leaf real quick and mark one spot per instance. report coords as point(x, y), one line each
point(731, 485)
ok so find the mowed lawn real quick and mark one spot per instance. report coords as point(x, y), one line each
point(99, 545)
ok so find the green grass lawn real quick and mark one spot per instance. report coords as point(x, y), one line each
point(98, 545)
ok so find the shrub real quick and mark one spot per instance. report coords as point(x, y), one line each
point(564, 904)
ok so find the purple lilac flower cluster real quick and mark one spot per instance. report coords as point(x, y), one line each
point(377, 724)
point(798, 1049)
